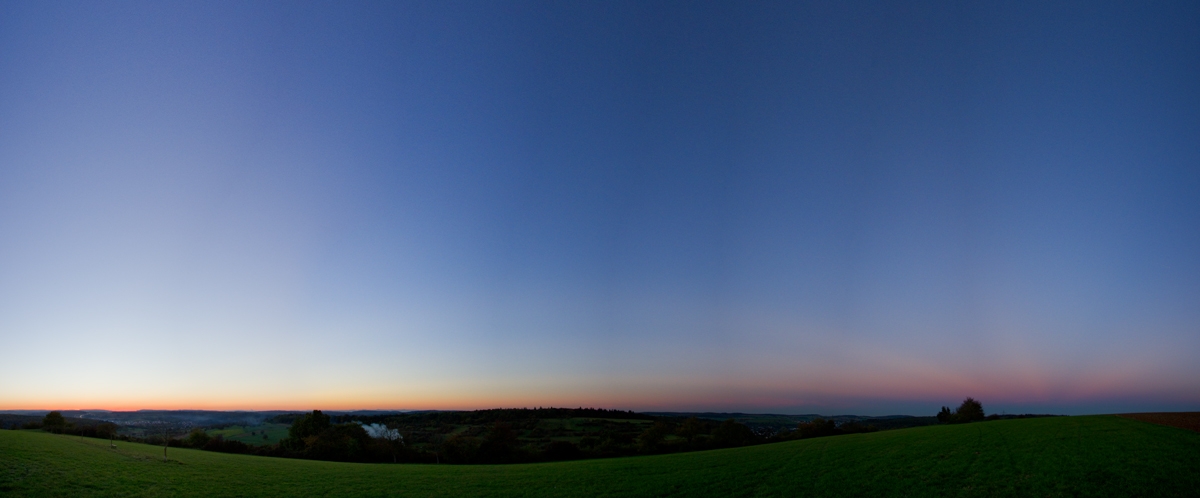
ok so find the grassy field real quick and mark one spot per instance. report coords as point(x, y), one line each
point(1061, 456)
point(253, 435)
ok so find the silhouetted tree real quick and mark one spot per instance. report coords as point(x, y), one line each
point(308, 425)
point(347, 442)
point(690, 428)
point(166, 441)
point(54, 422)
point(969, 411)
point(108, 429)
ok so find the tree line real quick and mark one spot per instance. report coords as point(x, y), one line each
point(508, 438)
point(504, 436)
point(971, 410)
point(498, 436)
point(490, 436)
point(54, 422)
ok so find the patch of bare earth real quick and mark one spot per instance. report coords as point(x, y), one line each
point(1183, 420)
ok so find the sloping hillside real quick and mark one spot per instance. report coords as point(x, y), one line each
point(1062, 456)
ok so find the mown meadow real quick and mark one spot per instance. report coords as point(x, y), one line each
point(1060, 456)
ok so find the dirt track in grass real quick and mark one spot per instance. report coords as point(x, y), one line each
point(1183, 420)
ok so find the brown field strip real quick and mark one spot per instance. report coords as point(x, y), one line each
point(1183, 420)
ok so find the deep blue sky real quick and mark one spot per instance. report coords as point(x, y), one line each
point(834, 207)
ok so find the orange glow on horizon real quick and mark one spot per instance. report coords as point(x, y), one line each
point(730, 397)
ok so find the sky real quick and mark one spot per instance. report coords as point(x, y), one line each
point(792, 207)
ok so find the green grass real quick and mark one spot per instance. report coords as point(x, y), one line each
point(253, 435)
point(1064, 456)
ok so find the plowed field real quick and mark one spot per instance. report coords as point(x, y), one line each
point(1183, 420)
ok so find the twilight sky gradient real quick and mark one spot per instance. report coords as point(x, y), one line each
point(722, 206)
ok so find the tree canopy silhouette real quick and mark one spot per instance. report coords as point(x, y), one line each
point(54, 422)
point(970, 410)
point(308, 425)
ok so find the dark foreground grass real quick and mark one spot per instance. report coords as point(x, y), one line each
point(1064, 456)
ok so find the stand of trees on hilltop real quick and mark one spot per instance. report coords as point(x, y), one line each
point(971, 410)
